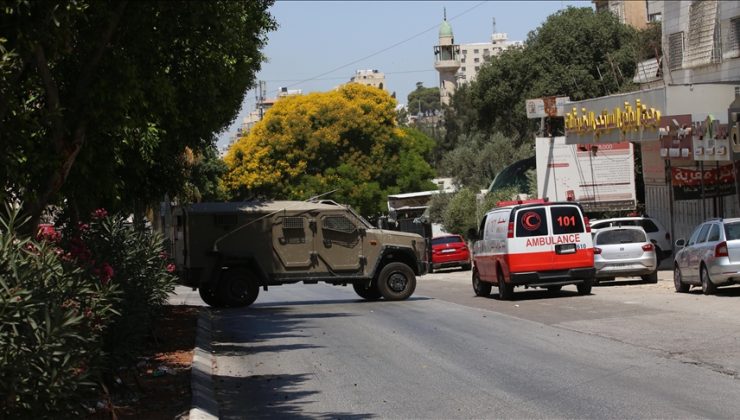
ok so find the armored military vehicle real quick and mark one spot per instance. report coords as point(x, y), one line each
point(229, 250)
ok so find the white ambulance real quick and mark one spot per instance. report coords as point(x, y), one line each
point(533, 243)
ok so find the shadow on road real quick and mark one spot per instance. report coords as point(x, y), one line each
point(270, 396)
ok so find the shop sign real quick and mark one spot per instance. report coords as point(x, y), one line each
point(687, 182)
point(625, 123)
point(676, 137)
point(711, 141)
point(549, 106)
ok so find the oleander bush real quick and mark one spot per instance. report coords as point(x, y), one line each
point(53, 314)
point(76, 303)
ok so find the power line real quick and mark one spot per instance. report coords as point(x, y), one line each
point(317, 77)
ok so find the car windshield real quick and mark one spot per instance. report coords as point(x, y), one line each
point(446, 240)
point(620, 236)
point(732, 231)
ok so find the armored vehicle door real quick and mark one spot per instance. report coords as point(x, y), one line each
point(293, 241)
point(340, 242)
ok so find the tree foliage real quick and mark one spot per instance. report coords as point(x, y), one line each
point(98, 100)
point(423, 100)
point(460, 212)
point(577, 53)
point(346, 139)
point(478, 158)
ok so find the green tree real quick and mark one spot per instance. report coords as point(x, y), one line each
point(345, 139)
point(577, 53)
point(461, 212)
point(478, 158)
point(423, 100)
point(99, 101)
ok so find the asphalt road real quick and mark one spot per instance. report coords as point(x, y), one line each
point(628, 350)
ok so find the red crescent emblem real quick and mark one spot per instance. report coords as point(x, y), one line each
point(531, 221)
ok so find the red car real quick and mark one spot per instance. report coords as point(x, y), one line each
point(450, 251)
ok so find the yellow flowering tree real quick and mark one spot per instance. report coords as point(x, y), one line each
point(345, 139)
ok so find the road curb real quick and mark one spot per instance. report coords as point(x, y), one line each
point(204, 405)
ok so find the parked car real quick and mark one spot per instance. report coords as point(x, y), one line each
point(450, 251)
point(710, 258)
point(658, 235)
point(624, 252)
point(533, 244)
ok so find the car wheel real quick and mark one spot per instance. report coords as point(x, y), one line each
point(707, 287)
point(479, 287)
point(397, 281)
point(505, 291)
point(554, 289)
point(367, 291)
point(208, 295)
point(467, 267)
point(585, 287)
point(678, 283)
point(651, 278)
point(238, 287)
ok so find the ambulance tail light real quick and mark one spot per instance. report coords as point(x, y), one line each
point(587, 223)
point(510, 232)
point(597, 251)
point(721, 250)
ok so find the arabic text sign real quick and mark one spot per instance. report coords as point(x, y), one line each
point(687, 182)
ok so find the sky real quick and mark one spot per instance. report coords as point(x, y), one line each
point(320, 44)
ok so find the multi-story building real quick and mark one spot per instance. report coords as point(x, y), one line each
point(459, 64)
point(691, 150)
point(473, 55)
point(373, 78)
point(630, 12)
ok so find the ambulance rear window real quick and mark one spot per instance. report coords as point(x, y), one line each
point(531, 222)
point(566, 219)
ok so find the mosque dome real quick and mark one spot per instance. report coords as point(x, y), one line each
point(445, 30)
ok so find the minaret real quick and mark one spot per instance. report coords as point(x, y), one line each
point(446, 61)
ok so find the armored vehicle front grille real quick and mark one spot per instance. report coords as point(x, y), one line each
point(293, 222)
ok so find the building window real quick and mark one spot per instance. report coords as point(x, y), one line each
point(655, 17)
point(465, 52)
point(477, 68)
point(475, 51)
point(462, 60)
point(731, 38)
point(477, 60)
point(701, 40)
point(463, 69)
point(675, 51)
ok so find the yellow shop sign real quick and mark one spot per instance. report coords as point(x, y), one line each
point(625, 119)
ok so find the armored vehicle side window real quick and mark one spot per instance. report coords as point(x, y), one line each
point(294, 231)
point(224, 219)
point(339, 224)
point(531, 222)
point(566, 219)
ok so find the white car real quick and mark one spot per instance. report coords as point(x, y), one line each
point(710, 258)
point(658, 235)
point(624, 252)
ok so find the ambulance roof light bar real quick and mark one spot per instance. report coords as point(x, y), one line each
point(518, 202)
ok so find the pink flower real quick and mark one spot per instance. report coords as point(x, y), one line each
point(47, 232)
point(82, 227)
point(105, 272)
point(100, 214)
point(171, 268)
point(163, 255)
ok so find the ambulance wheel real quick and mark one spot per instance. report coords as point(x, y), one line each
point(480, 288)
point(505, 291)
point(238, 287)
point(208, 295)
point(368, 292)
point(396, 281)
point(585, 287)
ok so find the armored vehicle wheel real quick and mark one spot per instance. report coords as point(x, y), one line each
point(238, 287)
point(480, 288)
point(396, 281)
point(208, 295)
point(554, 289)
point(369, 292)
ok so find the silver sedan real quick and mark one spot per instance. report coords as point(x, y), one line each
point(624, 251)
point(710, 258)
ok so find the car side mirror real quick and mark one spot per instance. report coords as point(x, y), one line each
point(681, 243)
